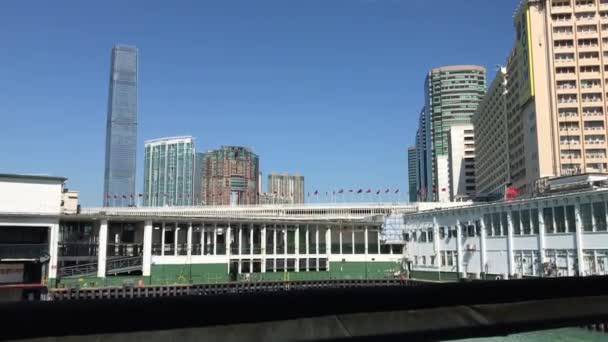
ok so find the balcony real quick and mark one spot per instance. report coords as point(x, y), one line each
point(603, 4)
point(588, 47)
point(587, 61)
point(587, 34)
point(23, 251)
point(561, 9)
point(570, 76)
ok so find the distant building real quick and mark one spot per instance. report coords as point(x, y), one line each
point(421, 156)
point(230, 176)
point(69, 201)
point(121, 128)
point(169, 171)
point(461, 163)
point(199, 157)
point(452, 94)
point(287, 186)
point(269, 198)
point(412, 169)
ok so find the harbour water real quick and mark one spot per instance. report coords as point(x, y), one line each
point(557, 335)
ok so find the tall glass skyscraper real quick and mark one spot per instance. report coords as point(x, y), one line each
point(169, 171)
point(121, 128)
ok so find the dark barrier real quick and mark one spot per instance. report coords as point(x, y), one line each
point(440, 311)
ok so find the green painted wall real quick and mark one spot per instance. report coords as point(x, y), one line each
point(435, 276)
point(99, 282)
point(363, 270)
point(189, 273)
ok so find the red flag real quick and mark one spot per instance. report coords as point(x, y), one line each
point(368, 191)
point(387, 190)
point(341, 191)
point(511, 193)
point(351, 190)
point(443, 189)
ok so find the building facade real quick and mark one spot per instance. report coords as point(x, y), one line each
point(230, 177)
point(461, 163)
point(452, 95)
point(412, 169)
point(491, 139)
point(169, 172)
point(286, 186)
point(121, 128)
point(199, 158)
point(422, 174)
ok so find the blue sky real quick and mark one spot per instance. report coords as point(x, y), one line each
point(328, 88)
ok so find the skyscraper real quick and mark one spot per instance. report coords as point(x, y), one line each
point(230, 176)
point(199, 158)
point(452, 94)
point(286, 186)
point(169, 171)
point(421, 174)
point(121, 128)
point(412, 170)
point(461, 163)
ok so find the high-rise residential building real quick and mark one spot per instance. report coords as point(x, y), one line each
point(556, 104)
point(491, 133)
point(421, 182)
point(198, 177)
point(121, 128)
point(230, 176)
point(169, 171)
point(287, 186)
point(412, 170)
point(452, 94)
point(461, 164)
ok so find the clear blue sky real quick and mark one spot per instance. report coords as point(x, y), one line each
point(328, 88)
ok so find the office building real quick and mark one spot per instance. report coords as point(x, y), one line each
point(286, 186)
point(421, 182)
point(121, 128)
point(230, 176)
point(169, 171)
point(199, 157)
point(452, 94)
point(412, 169)
point(461, 164)
point(491, 147)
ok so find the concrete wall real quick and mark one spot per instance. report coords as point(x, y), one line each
point(21, 195)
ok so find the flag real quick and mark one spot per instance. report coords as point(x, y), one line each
point(368, 191)
point(387, 190)
point(351, 190)
point(397, 191)
point(443, 189)
point(124, 196)
point(334, 192)
point(511, 193)
point(316, 192)
point(131, 195)
point(115, 197)
point(309, 194)
point(359, 191)
point(141, 195)
point(341, 191)
point(378, 192)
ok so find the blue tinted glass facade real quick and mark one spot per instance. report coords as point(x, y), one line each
point(121, 128)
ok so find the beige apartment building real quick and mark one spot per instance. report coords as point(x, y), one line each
point(555, 99)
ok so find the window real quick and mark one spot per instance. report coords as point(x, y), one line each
point(516, 222)
point(442, 232)
point(548, 220)
point(430, 235)
point(534, 216)
point(599, 214)
point(570, 218)
point(586, 217)
point(560, 219)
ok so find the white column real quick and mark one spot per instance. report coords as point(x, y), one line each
point(435, 241)
point(365, 240)
point(228, 241)
point(317, 241)
point(459, 249)
point(189, 241)
point(307, 238)
point(579, 239)
point(175, 239)
point(510, 258)
point(379, 251)
point(340, 237)
point(251, 244)
point(297, 248)
point(285, 243)
point(482, 245)
point(263, 247)
point(162, 240)
point(147, 258)
point(274, 241)
point(202, 239)
point(101, 250)
point(240, 243)
point(53, 251)
point(541, 234)
point(215, 239)
point(352, 239)
point(327, 239)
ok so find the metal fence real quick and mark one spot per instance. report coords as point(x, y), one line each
point(23, 251)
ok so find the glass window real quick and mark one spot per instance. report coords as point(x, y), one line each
point(496, 224)
point(516, 222)
point(525, 221)
point(487, 221)
point(534, 216)
point(560, 219)
point(442, 232)
point(586, 217)
point(599, 214)
point(504, 223)
point(570, 218)
point(430, 235)
point(548, 220)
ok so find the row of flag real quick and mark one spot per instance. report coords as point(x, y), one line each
point(360, 191)
point(140, 195)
